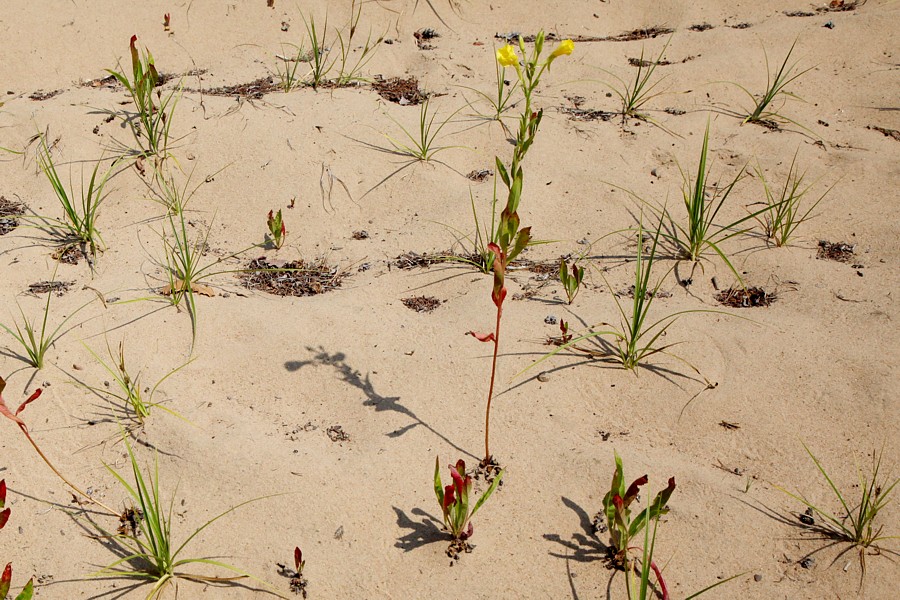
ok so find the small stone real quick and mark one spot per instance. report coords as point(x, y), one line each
point(807, 562)
point(757, 578)
point(807, 520)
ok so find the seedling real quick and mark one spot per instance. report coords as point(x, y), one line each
point(857, 525)
point(454, 501)
point(319, 65)
point(36, 342)
point(130, 388)
point(422, 145)
point(287, 65)
point(276, 229)
point(298, 581)
point(79, 225)
point(349, 71)
point(783, 211)
point(699, 234)
point(14, 417)
point(635, 94)
point(147, 541)
point(154, 118)
point(571, 281)
point(775, 84)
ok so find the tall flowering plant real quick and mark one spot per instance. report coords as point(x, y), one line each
point(509, 239)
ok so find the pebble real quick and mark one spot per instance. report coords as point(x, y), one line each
point(757, 578)
point(543, 377)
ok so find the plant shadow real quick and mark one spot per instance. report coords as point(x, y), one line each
point(427, 531)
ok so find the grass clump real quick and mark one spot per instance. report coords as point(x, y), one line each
point(130, 392)
point(146, 536)
point(636, 93)
point(36, 341)
point(784, 210)
point(422, 144)
point(857, 524)
point(775, 84)
point(79, 224)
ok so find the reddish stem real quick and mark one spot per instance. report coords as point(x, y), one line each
point(487, 414)
point(662, 582)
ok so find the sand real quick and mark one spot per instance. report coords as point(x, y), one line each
point(271, 377)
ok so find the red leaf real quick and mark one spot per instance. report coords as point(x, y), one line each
point(31, 398)
point(448, 497)
point(5, 580)
point(2, 493)
point(498, 298)
point(617, 500)
point(4, 517)
point(467, 533)
point(4, 410)
point(634, 488)
point(298, 558)
point(481, 337)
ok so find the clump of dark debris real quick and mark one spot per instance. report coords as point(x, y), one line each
point(69, 255)
point(701, 27)
point(414, 260)
point(401, 91)
point(254, 90)
point(479, 174)
point(41, 95)
point(296, 278)
point(421, 304)
point(745, 297)
point(9, 210)
point(423, 35)
point(336, 433)
point(44, 287)
point(838, 251)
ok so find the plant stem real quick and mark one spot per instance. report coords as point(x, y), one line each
point(61, 476)
point(487, 414)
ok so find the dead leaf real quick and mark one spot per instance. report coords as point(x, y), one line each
point(197, 288)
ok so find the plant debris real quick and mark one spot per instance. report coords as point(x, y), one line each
point(45, 287)
point(9, 210)
point(479, 174)
point(587, 114)
point(109, 82)
point(421, 304)
point(297, 278)
point(639, 34)
point(513, 37)
point(336, 433)
point(165, 78)
point(745, 297)
point(799, 13)
point(41, 95)
point(423, 35)
point(362, 234)
point(629, 293)
point(130, 520)
point(674, 111)
point(838, 251)
point(891, 133)
point(741, 26)
point(701, 27)
point(401, 91)
point(69, 255)
point(841, 6)
point(254, 90)
point(414, 260)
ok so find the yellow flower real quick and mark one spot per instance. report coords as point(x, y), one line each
point(507, 57)
point(565, 47)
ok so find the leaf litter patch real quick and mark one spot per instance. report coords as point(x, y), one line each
point(421, 304)
point(837, 251)
point(46, 287)
point(405, 92)
point(295, 278)
point(745, 297)
point(9, 210)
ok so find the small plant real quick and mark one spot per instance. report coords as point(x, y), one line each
point(287, 72)
point(298, 581)
point(636, 94)
point(783, 212)
point(79, 225)
point(856, 525)
point(276, 229)
point(349, 71)
point(775, 84)
point(700, 233)
point(500, 101)
point(571, 281)
point(422, 145)
point(6, 578)
point(146, 537)
point(35, 342)
point(319, 66)
point(154, 118)
point(130, 388)
point(454, 501)
point(508, 240)
point(623, 529)
point(15, 418)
